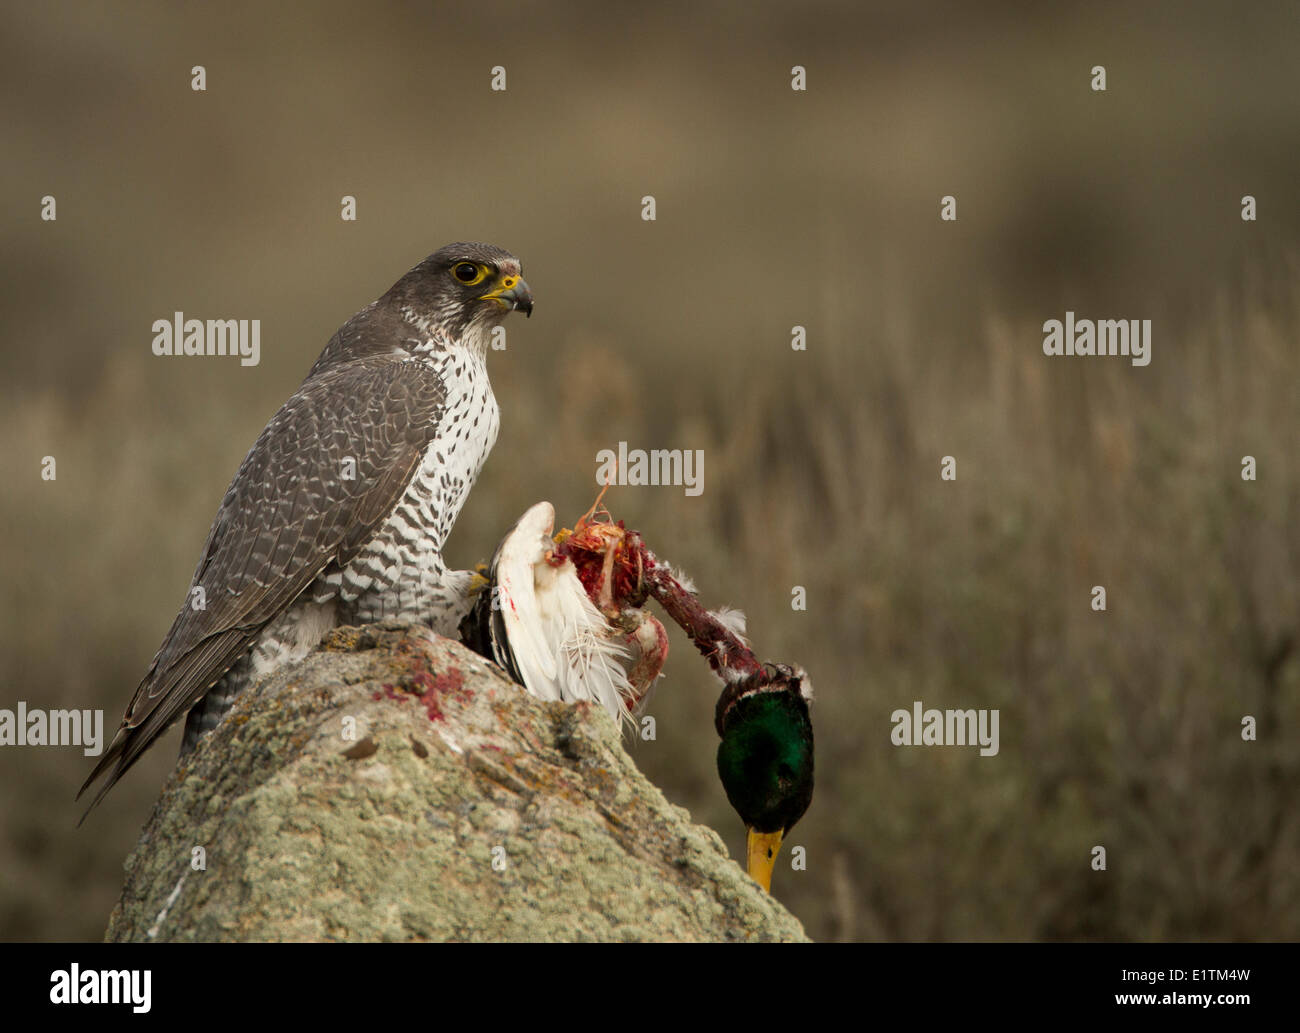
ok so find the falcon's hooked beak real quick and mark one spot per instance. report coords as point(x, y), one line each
point(513, 294)
point(763, 848)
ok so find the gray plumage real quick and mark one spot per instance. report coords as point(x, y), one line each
point(340, 509)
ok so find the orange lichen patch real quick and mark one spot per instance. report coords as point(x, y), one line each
point(349, 639)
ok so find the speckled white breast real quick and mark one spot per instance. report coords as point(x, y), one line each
point(400, 573)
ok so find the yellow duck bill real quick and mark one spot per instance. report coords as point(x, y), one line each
point(763, 848)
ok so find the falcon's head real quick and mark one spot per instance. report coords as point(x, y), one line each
point(464, 287)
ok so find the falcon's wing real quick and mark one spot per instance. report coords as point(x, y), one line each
point(326, 471)
point(544, 630)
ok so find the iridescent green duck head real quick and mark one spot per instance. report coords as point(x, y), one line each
point(765, 759)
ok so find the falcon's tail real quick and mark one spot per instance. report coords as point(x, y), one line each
point(165, 694)
point(114, 755)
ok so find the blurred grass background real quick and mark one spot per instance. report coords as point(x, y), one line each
point(775, 208)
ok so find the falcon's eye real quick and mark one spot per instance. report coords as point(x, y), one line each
point(468, 272)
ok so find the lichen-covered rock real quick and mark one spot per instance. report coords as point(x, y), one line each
point(396, 786)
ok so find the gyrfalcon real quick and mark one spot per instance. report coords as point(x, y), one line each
point(339, 512)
